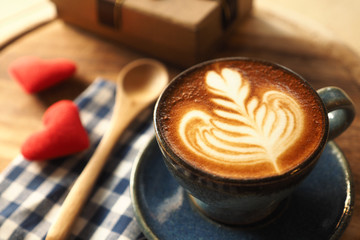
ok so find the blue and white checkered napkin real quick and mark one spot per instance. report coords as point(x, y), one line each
point(31, 193)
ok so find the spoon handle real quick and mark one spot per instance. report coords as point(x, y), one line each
point(80, 191)
point(83, 186)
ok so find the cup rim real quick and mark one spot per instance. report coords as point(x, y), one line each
point(302, 169)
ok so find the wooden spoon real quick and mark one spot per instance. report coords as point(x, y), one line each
point(139, 84)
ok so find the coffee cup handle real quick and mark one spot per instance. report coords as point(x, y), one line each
point(340, 108)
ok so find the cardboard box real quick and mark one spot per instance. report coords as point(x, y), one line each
point(179, 31)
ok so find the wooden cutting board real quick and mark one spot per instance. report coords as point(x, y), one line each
point(268, 34)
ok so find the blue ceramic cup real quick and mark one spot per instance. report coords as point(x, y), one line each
point(240, 134)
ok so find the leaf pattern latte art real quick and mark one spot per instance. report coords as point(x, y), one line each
point(242, 129)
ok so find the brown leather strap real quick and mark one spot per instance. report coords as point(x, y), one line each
point(229, 11)
point(109, 12)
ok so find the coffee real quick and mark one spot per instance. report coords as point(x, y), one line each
point(241, 119)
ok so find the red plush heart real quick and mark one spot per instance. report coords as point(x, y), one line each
point(35, 74)
point(63, 134)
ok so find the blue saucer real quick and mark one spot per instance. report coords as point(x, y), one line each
point(320, 208)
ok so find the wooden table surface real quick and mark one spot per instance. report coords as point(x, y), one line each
point(323, 61)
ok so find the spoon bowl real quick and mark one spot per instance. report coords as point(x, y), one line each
point(138, 84)
point(140, 80)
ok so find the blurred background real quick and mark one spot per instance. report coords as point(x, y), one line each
point(336, 16)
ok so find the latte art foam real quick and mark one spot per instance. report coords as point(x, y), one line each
point(241, 119)
point(242, 129)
